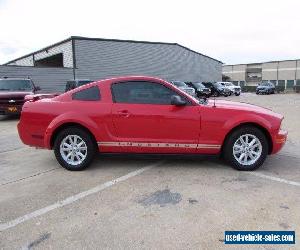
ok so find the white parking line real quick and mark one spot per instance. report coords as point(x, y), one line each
point(73, 198)
point(268, 177)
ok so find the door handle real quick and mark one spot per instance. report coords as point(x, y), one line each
point(123, 113)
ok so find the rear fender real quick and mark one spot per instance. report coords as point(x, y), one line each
point(69, 118)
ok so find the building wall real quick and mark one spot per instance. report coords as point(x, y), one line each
point(49, 79)
point(64, 48)
point(103, 59)
point(235, 72)
point(269, 71)
point(283, 72)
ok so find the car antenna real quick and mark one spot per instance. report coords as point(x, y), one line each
point(214, 102)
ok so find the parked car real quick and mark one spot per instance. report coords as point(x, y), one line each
point(200, 89)
point(236, 90)
point(181, 85)
point(72, 84)
point(217, 89)
point(13, 92)
point(265, 88)
point(148, 115)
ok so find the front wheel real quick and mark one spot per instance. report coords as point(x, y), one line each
point(216, 94)
point(74, 149)
point(246, 148)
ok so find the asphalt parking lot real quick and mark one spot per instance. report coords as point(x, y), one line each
point(141, 203)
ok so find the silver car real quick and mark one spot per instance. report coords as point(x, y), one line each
point(233, 88)
point(184, 87)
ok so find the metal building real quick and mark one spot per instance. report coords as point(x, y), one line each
point(96, 58)
point(282, 73)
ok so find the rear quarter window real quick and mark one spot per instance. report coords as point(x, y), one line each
point(90, 94)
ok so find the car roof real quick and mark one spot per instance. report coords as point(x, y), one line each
point(133, 78)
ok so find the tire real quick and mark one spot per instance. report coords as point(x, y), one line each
point(216, 94)
point(237, 94)
point(84, 140)
point(261, 149)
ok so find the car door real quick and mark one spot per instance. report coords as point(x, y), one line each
point(145, 120)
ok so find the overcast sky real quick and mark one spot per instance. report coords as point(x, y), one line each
point(231, 31)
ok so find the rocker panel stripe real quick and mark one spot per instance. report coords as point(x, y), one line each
point(158, 145)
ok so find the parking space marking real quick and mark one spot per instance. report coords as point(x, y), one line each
point(74, 198)
point(27, 177)
point(273, 178)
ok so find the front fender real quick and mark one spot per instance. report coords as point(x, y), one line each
point(65, 118)
point(249, 118)
point(236, 121)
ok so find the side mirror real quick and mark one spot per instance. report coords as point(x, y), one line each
point(177, 101)
point(37, 88)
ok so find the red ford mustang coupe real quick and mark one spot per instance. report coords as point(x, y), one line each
point(148, 115)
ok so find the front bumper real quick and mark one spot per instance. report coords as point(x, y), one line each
point(279, 140)
point(6, 109)
point(261, 90)
point(203, 92)
point(225, 92)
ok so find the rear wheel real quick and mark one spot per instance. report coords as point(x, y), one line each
point(74, 149)
point(246, 148)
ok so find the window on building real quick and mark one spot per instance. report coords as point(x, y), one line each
point(141, 92)
point(90, 94)
point(281, 82)
point(298, 82)
point(290, 83)
point(273, 81)
point(242, 83)
point(50, 61)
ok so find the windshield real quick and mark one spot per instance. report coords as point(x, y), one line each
point(14, 85)
point(198, 85)
point(266, 84)
point(229, 84)
point(218, 85)
point(179, 84)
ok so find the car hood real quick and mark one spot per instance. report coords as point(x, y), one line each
point(203, 89)
point(14, 94)
point(262, 87)
point(244, 107)
point(186, 88)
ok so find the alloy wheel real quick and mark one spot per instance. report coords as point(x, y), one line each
point(73, 149)
point(247, 149)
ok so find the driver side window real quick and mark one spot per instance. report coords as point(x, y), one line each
point(142, 92)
